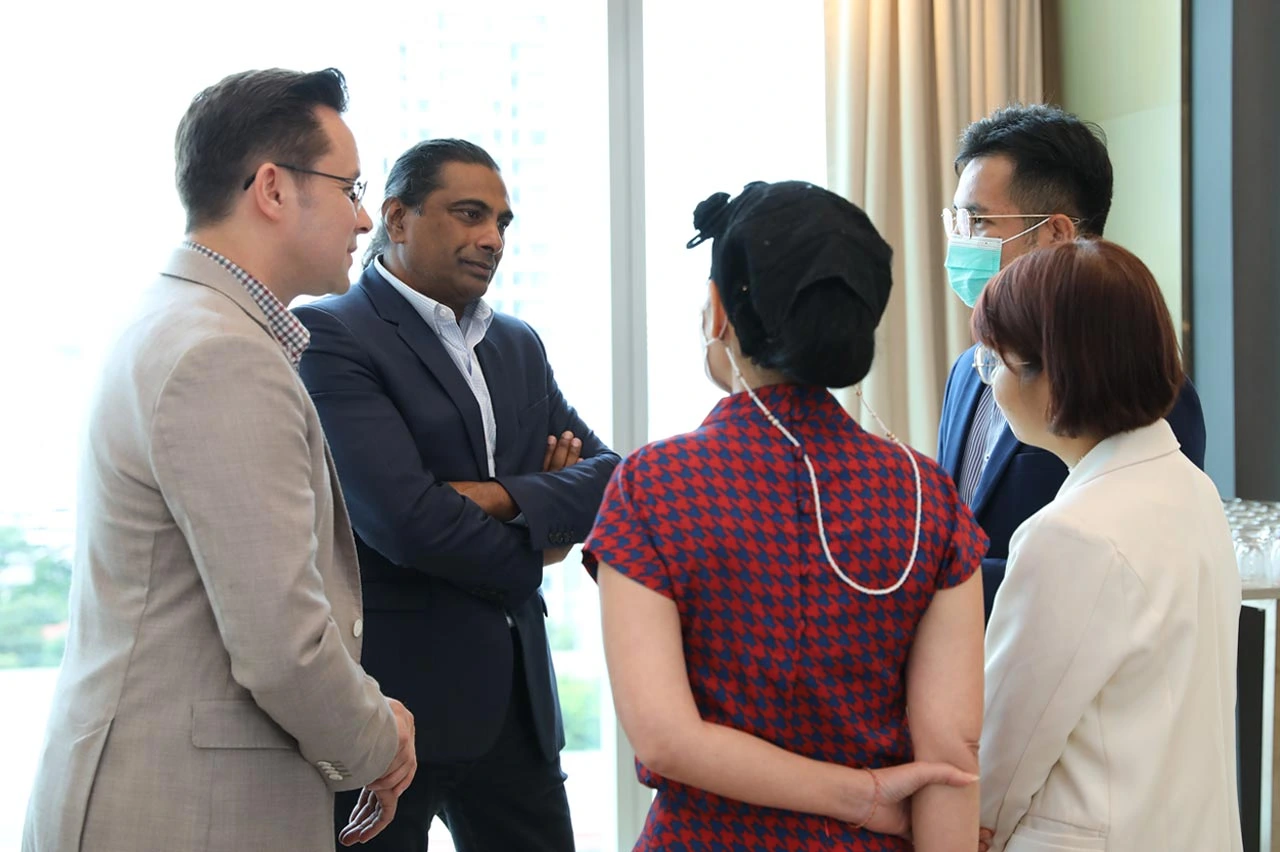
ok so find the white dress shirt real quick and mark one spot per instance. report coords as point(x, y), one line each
point(460, 336)
point(1111, 663)
point(988, 424)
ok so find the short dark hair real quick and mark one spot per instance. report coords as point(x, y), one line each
point(416, 174)
point(244, 120)
point(827, 340)
point(1090, 314)
point(1060, 162)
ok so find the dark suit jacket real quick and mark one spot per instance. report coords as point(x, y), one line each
point(1019, 480)
point(438, 574)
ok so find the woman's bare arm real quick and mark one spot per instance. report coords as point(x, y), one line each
point(645, 653)
point(944, 705)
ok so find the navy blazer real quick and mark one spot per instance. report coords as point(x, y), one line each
point(438, 574)
point(1019, 480)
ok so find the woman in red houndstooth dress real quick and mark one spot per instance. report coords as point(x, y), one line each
point(779, 586)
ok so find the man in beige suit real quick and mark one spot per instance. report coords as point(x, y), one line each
point(211, 696)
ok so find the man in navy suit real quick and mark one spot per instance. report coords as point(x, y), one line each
point(465, 472)
point(1029, 176)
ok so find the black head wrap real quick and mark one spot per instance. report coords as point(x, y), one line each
point(776, 239)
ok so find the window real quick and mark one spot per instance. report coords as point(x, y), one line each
point(717, 116)
point(92, 187)
point(118, 186)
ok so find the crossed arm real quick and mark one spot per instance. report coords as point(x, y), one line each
point(496, 502)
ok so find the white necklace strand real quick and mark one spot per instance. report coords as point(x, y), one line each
point(817, 497)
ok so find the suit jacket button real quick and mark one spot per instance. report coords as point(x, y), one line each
point(358, 627)
point(334, 776)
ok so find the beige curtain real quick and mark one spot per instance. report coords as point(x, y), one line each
point(904, 77)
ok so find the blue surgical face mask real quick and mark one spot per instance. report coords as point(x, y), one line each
point(973, 261)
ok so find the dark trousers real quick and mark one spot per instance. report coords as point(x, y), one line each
point(509, 800)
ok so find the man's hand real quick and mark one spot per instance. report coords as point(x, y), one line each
point(489, 496)
point(372, 813)
point(985, 836)
point(496, 501)
point(561, 452)
point(405, 763)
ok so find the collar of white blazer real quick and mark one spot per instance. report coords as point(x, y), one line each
point(1122, 450)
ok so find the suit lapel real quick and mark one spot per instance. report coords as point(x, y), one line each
point(418, 336)
point(504, 404)
point(970, 391)
point(1005, 448)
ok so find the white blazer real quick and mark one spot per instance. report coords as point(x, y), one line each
point(1111, 663)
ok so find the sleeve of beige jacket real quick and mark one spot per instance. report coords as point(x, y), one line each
point(1056, 636)
point(230, 453)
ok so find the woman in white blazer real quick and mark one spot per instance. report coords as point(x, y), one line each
point(1111, 649)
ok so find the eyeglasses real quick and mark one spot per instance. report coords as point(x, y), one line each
point(961, 221)
point(354, 189)
point(987, 361)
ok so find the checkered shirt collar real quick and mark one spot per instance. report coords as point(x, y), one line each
point(288, 331)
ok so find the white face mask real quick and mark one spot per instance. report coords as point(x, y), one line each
point(813, 476)
point(706, 352)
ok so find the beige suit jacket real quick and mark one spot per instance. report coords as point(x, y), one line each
point(211, 696)
point(1111, 663)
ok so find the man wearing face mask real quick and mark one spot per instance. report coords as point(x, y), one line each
point(1030, 176)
